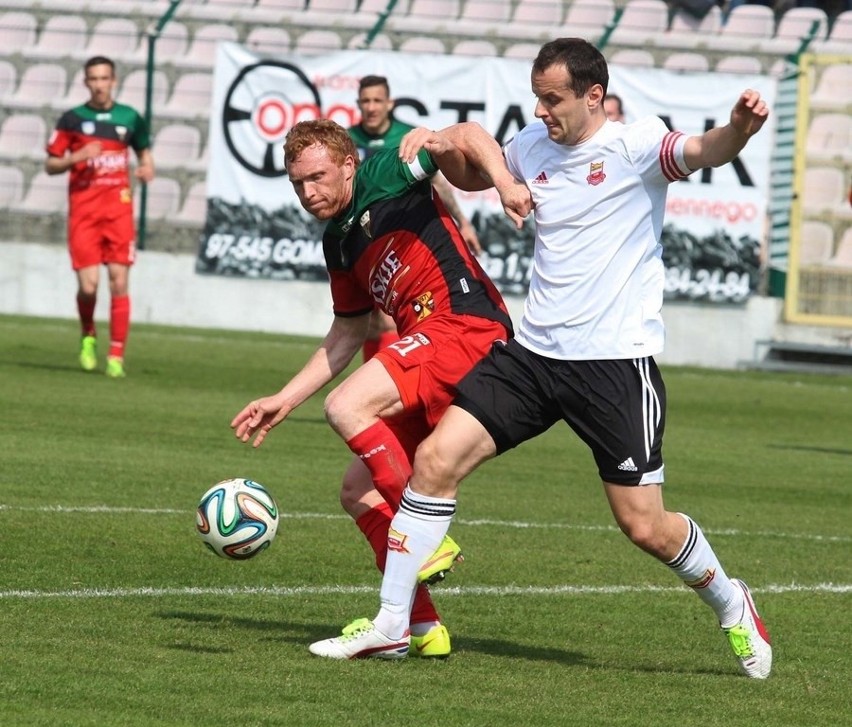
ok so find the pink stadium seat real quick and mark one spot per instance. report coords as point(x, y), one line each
point(823, 188)
point(739, 64)
point(177, 146)
point(522, 51)
point(191, 95)
point(475, 49)
point(202, 50)
point(423, 44)
point(8, 79)
point(317, 42)
point(62, 35)
point(843, 255)
point(482, 17)
point(11, 186)
point(268, 41)
point(17, 31)
point(23, 135)
point(834, 87)
point(746, 27)
point(116, 38)
point(588, 18)
point(816, 243)
point(636, 58)
point(47, 194)
point(795, 25)
point(641, 22)
point(163, 198)
point(40, 85)
point(132, 89)
point(428, 16)
point(829, 138)
point(687, 61)
point(193, 211)
point(169, 47)
point(219, 10)
point(533, 20)
point(380, 41)
point(689, 33)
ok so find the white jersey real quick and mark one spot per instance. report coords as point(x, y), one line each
point(596, 290)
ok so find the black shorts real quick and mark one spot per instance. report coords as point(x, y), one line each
point(616, 406)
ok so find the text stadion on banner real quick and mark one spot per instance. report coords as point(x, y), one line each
point(256, 228)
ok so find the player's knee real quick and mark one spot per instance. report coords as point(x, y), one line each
point(336, 407)
point(643, 534)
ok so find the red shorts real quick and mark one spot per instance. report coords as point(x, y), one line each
point(102, 233)
point(428, 362)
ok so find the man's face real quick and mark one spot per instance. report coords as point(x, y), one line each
point(375, 106)
point(613, 112)
point(569, 119)
point(100, 81)
point(324, 187)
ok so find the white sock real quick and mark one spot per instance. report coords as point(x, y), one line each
point(415, 533)
point(697, 565)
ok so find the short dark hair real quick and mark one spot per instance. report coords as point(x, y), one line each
point(615, 97)
point(100, 61)
point(370, 81)
point(585, 64)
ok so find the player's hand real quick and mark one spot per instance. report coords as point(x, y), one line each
point(749, 113)
point(516, 200)
point(468, 232)
point(144, 173)
point(257, 419)
point(422, 138)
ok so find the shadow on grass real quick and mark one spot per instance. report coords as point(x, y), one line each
point(820, 450)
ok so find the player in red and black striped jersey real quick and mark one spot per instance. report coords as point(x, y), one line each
point(92, 143)
point(389, 243)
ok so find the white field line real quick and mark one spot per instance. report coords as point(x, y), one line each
point(108, 510)
point(281, 591)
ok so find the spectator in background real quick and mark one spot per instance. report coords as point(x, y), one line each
point(613, 107)
point(378, 130)
point(91, 142)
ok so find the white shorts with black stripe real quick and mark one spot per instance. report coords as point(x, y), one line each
point(616, 406)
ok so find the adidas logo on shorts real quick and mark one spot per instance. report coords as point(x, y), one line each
point(628, 465)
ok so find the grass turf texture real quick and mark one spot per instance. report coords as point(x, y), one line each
point(113, 613)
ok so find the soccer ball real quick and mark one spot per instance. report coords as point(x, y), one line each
point(237, 518)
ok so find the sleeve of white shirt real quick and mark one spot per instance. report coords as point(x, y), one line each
point(512, 156)
point(656, 152)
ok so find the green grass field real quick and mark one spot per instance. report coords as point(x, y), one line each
point(114, 614)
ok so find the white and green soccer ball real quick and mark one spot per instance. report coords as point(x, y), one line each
point(237, 518)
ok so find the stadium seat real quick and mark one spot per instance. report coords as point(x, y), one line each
point(61, 36)
point(380, 41)
point(202, 50)
point(47, 194)
point(428, 16)
point(834, 88)
point(423, 44)
point(193, 211)
point(220, 10)
point(745, 28)
point(482, 17)
point(23, 135)
point(317, 42)
point(823, 188)
point(116, 38)
point(689, 33)
point(533, 20)
point(163, 198)
point(40, 85)
point(273, 12)
point(588, 18)
point(17, 32)
point(132, 89)
point(267, 41)
point(642, 21)
point(839, 36)
point(11, 186)
point(169, 47)
point(687, 61)
point(191, 95)
point(8, 79)
point(522, 51)
point(843, 255)
point(633, 57)
point(739, 64)
point(795, 25)
point(816, 243)
point(829, 138)
point(475, 49)
point(177, 146)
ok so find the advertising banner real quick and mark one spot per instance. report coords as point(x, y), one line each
point(256, 228)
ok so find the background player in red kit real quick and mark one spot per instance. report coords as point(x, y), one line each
point(91, 142)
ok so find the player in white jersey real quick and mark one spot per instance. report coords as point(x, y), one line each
point(584, 348)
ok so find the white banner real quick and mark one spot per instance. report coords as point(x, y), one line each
point(255, 226)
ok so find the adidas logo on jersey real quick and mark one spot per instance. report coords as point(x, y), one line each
point(541, 179)
point(628, 465)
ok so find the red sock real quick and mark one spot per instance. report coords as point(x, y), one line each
point(86, 311)
point(119, 325)
point(374, 524)
point(385, 457)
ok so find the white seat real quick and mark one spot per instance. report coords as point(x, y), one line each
point(690, 33)
point(745, 28)
point(40, 85)
point(475, 49)
point(423, 44)
point(193, 211)
point(686, 61)
point(273, 12)
point(522, 51)
point(823, 188)
point(380, 41)
point(428, 16)
point(47, 194)
point(219, 10)
point(739, 64)
point(482, 17)
point(839, 36)
point(634, 57)
point(642, 21)
point(795, 25)
point(843, 255)
point(177, 146)
point(62, 35)
point(834, 87)
point(533, 20)
point(23, 135)
point(162, 198)
point(17, 31)
point(829, 138)
point(816, 243)
point(317, 42)
point(202, 50)
point(588, 18)
point(132, 89)
point(191, 95)
point(169, 47)
point(11, 186)
point(327, 13)
point(268, 41)
point(8, 79)
point(115, 38)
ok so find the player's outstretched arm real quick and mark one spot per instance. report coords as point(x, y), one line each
point(720, 145)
